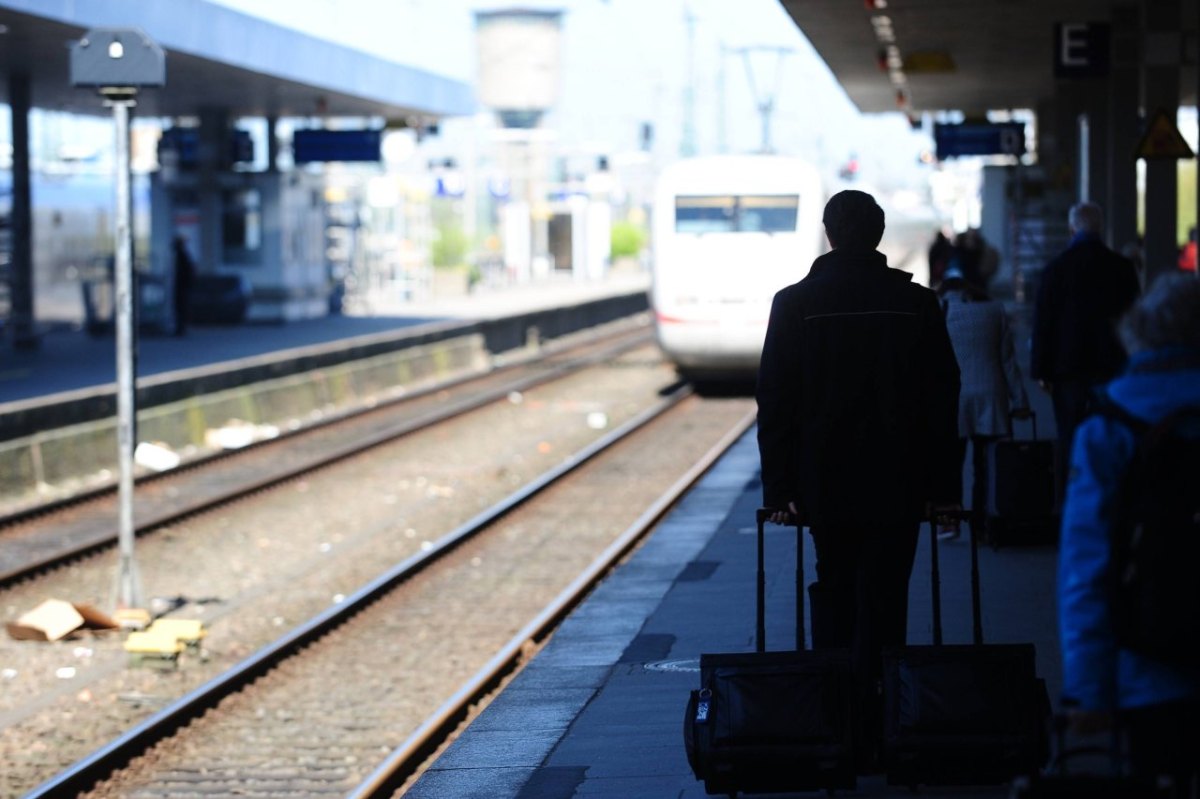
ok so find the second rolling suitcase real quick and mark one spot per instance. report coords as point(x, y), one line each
point(772, 722)
point(1022, 506)
point(967, 714)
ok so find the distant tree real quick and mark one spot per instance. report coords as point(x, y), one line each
point(449, 245)
point(627, 240)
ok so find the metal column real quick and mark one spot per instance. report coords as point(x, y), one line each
point(1093, 151)
point(1123, 126)
point(272, 145)
point(1161, 72)
point(21, 284)
point(129, 590)
point(212, 160)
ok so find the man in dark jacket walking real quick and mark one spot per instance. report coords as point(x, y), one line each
point(858, 431)
point(1083, 292)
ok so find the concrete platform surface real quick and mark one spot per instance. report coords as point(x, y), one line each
point(599, 712)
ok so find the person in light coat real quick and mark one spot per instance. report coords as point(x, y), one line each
point(992, 391)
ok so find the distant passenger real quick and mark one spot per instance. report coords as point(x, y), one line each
point(858, 435)
point(185, 271)
point(940, 253)
point(1075, 349)
point(1156, 698)
point(975, 258)
point(992, 390)
point(1187, 253)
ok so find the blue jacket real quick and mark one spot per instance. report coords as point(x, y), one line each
point(1097, 674)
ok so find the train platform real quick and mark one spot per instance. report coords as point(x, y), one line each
point(599, 711)
point(70, 360)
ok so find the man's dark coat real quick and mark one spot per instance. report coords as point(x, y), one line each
point(1082, 294)
point(858, 396)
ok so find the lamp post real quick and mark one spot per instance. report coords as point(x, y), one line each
point(117, 62)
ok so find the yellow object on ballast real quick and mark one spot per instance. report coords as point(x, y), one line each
point(153, 643)
point(132, 618)
point(189, 631)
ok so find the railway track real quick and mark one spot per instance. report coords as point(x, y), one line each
point(345, 702)
point(252, 568)
point(35, 539)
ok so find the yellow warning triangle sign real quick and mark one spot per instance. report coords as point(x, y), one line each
point(1162, 139)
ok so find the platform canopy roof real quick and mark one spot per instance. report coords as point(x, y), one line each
point(968, 55)
point(219, 58)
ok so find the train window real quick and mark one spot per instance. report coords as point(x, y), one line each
point(727, 213)
point(768, 213)
point(706, 214)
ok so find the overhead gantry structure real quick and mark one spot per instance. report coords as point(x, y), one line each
point(1096, 74)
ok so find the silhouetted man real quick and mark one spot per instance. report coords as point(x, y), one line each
point(1083, 293)
point(858, 433)
point(185, 270)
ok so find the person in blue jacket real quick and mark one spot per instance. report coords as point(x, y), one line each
point(1156, 704)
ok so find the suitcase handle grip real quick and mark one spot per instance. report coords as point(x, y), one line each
point(763, 515)
point(1032, 417)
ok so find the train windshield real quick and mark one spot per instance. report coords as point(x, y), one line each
point(730, 213)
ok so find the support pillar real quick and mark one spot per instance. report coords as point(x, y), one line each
point(1092, 180)
point(272, 145)
point(1161, 73)
point(212, 159)
point(1058, 139)
point(1123, 129)
point(21, 283)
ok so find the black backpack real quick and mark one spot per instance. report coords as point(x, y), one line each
point(1155, 570)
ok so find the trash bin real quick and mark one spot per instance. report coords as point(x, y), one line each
point(99, 303)
point(98, 306)
point(154, 309)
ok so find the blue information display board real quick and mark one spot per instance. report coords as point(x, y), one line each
point(1002, 138)
point(336, 145)
point(185, 143)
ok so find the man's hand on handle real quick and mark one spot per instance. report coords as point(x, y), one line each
point(947, 517)
point(788, 516)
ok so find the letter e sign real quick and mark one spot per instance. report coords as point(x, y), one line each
point(1081, 49)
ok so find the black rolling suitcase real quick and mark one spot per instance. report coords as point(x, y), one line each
point(773, 722)
point(1022, 503)
point(974, 714)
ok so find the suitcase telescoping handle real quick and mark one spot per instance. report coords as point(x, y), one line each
point(760, 631)
point(936, 581)
point(1032, 417)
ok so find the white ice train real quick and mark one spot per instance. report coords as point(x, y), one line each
point(729, 231)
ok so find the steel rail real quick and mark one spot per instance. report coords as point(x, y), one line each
point(407, 759)
point(106, 537)
point(91, 769)
point(21, 515)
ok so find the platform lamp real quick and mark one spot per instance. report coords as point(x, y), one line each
point(118, 62)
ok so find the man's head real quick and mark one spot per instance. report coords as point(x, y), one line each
point(1086, 218)
point(853, 220)
point(1167, 315)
